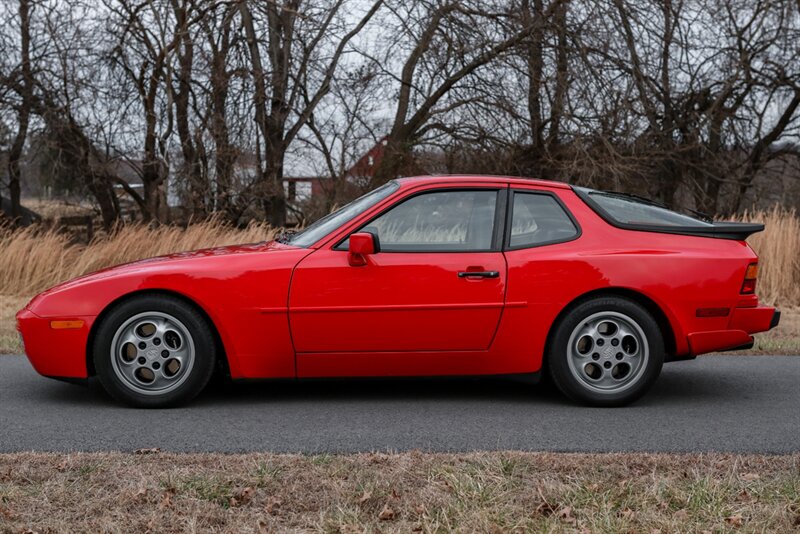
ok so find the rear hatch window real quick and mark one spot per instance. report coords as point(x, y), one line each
point(633, 212)
point(630, 209)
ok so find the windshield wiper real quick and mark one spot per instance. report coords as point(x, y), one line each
point(285, 236)
point(644, 200)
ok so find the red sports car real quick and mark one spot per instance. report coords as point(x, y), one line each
point(467, 275)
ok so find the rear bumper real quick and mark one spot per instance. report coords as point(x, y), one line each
point(754, 320)
point(776, 318)
point(744, 322)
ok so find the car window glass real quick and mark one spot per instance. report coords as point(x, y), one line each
point(332, 221)
point(438, 221)
point(634, 211)
point(538, 219)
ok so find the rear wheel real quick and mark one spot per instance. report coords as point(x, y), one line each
point(154, 351)
point(606, 352)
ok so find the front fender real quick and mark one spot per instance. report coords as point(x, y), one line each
point(244, 295)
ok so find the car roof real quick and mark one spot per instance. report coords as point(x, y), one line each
point(466, 178)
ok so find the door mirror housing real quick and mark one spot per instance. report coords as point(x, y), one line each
point(362, 244)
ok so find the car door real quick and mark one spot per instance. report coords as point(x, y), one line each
point(437, 283)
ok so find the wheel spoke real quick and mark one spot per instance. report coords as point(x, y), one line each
point(129, 337)
point(606, 378)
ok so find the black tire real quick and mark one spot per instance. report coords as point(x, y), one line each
point(187, 320)
point(566, 363)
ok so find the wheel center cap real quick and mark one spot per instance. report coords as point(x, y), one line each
point(608, 352)
point(152, 353)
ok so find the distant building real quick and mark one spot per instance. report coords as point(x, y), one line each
point(364, 169)
point(302, 188)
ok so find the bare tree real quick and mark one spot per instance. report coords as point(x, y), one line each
point(449, 41)
point(147, 36)
point(690, 101)
point(304, 51)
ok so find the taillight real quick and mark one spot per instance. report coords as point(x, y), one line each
point(750, 275)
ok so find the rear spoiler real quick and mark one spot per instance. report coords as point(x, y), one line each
point(720, 230)
point(736, 230)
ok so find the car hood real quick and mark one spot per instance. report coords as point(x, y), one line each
point(162, 263)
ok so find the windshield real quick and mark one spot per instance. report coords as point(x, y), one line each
point(334, 220)
point(634, 210)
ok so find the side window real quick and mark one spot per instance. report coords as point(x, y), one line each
point(440, 221)
point(537, 219)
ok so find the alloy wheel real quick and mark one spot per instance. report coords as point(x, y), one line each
point(607, 352)
point(152, 353)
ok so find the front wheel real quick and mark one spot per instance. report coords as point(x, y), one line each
point(606, 352)
point(154, 351)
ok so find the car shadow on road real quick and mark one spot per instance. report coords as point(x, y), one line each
point(382, 389)
point(252, 392)
point(671, 388)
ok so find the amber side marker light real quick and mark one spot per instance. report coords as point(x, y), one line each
point(65, 325)
point(750, 275)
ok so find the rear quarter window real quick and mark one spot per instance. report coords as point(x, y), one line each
point(539, 219)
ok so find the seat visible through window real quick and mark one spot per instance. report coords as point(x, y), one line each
point(446, 221)
point(539, 219)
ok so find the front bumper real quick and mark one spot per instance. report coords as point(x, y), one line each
point(54, 353)
point(744, 322)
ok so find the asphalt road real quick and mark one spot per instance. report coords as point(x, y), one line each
point(715, 403)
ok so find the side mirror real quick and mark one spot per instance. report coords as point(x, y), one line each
point(362, 244)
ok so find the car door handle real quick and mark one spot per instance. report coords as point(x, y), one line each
point(478, 274)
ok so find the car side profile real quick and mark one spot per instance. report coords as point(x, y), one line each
point(424, 276)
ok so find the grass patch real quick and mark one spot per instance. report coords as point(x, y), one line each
point(9, 339)
point(783, 339)
point(417, 492)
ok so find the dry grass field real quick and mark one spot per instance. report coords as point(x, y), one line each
point(33, 260)
point(409, 492)
point(53, 209)
point(778, 247)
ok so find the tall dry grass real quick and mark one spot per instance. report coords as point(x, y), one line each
point(778, 247)
point(32, 260)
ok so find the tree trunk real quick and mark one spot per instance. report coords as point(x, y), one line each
point(274, 198)
point(535, 69)
point(14, 157)
point(152, 175)
point(100, 187)
point(23, 117)
point(226, 153)
point(395, 157)
point(562, 76)
point(192, 168)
